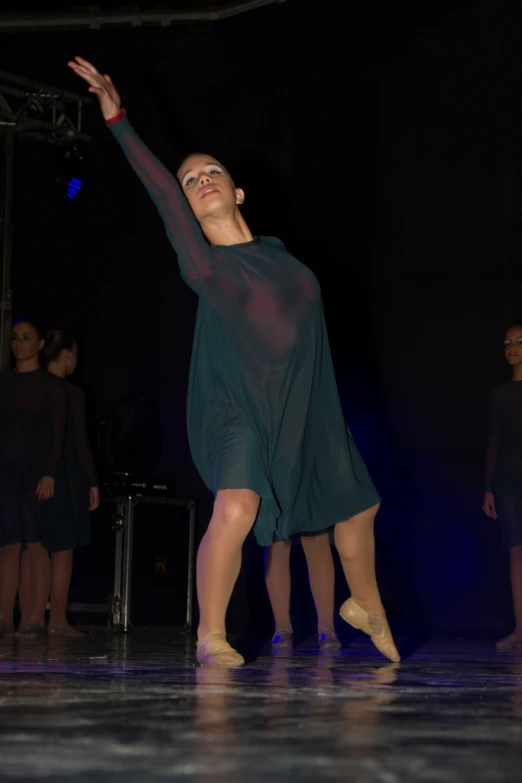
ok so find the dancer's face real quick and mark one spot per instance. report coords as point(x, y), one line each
point(25, 342)
point(208, 187)
point(513, 345)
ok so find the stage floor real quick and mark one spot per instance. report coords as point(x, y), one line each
point(135, 708)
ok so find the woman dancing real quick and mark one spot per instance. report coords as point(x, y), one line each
point(265, 424)
point(503, 495)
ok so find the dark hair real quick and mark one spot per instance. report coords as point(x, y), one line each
point(184, 159)
point(38, 325)
point(514, 325)
point(56, 341)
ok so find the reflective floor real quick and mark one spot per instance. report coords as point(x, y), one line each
point(136, 709)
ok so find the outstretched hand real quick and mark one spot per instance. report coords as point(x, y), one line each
point(100, 84)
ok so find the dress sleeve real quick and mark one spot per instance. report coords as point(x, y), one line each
point(492, 452)
point(83, 446)
point(58, 408)
point(183, 230)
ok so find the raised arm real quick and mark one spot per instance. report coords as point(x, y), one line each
point(183, 230)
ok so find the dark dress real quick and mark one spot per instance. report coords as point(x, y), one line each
point(33, 410)
point(504, 462)
point(263, 407)
point(65, 519)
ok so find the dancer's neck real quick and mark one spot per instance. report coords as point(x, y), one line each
point(27, 365)
point(231, 230)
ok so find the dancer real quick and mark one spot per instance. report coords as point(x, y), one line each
point(503, 495)
point(33, 408)
point(265, 424)
point(65, 522)
point(321, 573)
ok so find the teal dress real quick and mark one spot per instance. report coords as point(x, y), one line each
point(263, 408)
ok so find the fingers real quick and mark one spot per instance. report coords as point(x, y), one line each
point(86, 64)
point(90, 75)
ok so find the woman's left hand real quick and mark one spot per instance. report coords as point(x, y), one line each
point(94, 498)
point(45, 488)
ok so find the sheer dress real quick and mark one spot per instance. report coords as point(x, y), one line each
point(263, 408)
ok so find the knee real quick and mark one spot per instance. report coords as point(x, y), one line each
point(235, 510)
point(10, 551)
point(36, 550)
point(516, 554)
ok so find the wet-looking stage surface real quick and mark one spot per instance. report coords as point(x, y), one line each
point(136, 708)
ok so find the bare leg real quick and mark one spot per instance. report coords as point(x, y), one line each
point(219, 555)
point(355, 543)
point(9, 579)
point(516, 585)
point(62, 563)
point(322, 577)
point(40, 568)
point(277, 577)
point(515, 639)
point(363, 610)
point(25, 589)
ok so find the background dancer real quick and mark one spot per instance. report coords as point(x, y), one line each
point(503, 495)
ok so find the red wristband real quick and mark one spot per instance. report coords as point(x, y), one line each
point(113, 120)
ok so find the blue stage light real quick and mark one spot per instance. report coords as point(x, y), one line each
point(71, 171)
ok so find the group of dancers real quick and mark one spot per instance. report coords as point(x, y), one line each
point(265, 424)
point(48, 483)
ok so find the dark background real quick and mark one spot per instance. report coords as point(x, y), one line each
point(384, 148)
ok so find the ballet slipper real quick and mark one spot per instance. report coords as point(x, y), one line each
point(65, 631)
point(31, 630)
point(375, 625)
point(214, 650)
point(283, 639)
point(328, 640)
point(511, 642)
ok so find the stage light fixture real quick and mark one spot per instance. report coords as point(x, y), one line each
point(71, 170)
